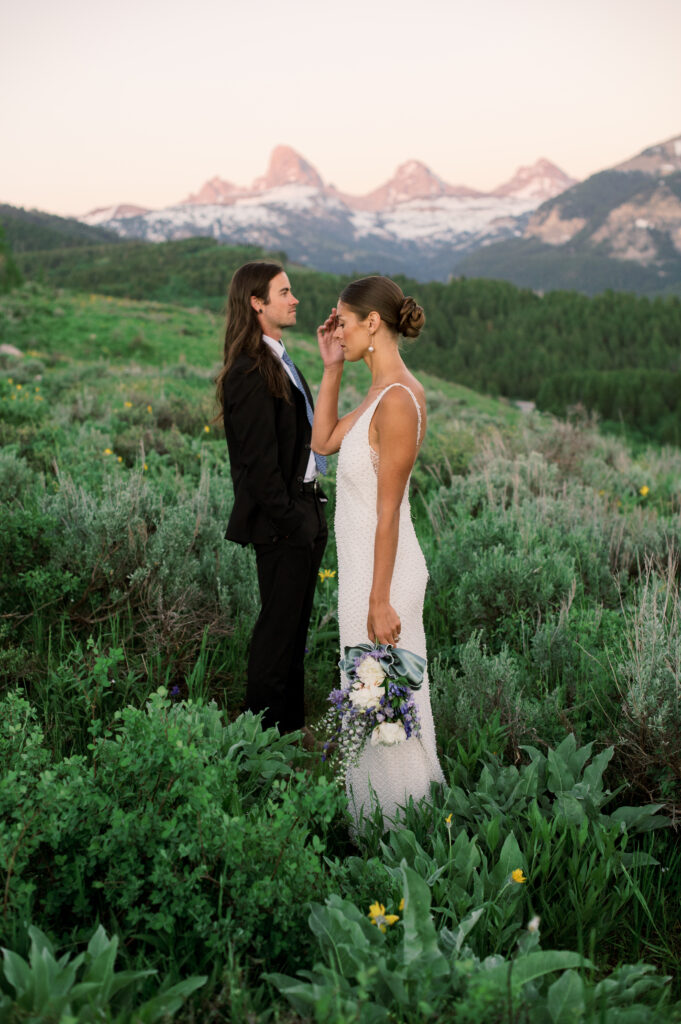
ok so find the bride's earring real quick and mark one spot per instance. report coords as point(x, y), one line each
point(371, 347)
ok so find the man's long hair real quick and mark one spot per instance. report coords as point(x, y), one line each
point(243, 333)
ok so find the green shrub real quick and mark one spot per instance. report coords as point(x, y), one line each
point(178, 830)
point(373, 967)
point(647, 671)
point(547, 818)
point(82, 989)
point(488, 685)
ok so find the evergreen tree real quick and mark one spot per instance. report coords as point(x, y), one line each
point(10, 275)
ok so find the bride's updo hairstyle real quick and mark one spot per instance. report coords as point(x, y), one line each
point(381, 295)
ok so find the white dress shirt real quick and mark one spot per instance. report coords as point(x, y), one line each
point(278, 349)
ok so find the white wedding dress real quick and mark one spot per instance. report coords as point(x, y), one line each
point(384, 776)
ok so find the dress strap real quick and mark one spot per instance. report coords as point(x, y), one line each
point(415, 400)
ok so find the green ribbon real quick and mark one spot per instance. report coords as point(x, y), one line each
point(396, 662)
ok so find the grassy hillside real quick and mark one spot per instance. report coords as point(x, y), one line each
point(134, 794)
point(488, 335)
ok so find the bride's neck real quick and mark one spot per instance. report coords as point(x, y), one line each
point(385, 365)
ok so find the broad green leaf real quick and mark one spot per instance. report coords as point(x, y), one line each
point(641, 819)
point(493, 834)
point(168, 1002)
point(39, 942)
point(567, 747)
point(570, 809)
point(536, 965)
point(593, 773)
point(456, 938)
point(565, 999)
point(510, 858)
point(17, 972)
point(561, 779)
point(101, 942)
point(103, 952)
point(419, 941)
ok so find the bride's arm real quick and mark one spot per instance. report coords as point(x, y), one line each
point(396, 422)
point(327, 430)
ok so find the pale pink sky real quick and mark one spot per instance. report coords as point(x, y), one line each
point(143, 101)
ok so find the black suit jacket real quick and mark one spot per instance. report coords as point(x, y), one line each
point(269, 447)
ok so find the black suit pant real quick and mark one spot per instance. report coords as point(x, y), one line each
point(287, 575)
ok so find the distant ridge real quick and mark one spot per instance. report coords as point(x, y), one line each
point(621, 228)
point(412, 180)
point(416, 223)
point(33, 230)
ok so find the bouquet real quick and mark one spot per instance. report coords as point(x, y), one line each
point(378, 706)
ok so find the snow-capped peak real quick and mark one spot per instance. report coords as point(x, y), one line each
point(117, 212)
point(542, 180)
point(286, 167)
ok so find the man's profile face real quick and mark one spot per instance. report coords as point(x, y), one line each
point(279, 311)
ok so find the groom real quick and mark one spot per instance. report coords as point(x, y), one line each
point(278, 505)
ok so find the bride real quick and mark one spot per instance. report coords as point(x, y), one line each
point(382, 573)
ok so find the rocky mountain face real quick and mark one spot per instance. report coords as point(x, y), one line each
point(415, 223)
point(619, 228)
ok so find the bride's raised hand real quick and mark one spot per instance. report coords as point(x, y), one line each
point(383, 623)
point(329, 347)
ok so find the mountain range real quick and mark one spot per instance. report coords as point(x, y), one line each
point(415, 223)
point(620, 229)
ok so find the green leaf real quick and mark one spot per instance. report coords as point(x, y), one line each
point(593, 773)
point(510, 858)
point(17, 972)
point(419, 943)
point(168, 1002)
point(641, 819)
point(493, 834)
point(536, 965)
point(454, 940)
point(570, 808)
point(561, 779)
point(565, 999)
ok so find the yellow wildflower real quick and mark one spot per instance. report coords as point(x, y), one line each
point(145, 467)
point(644, 490)
point(518, 876)
point(148, 408)
point(379, 917)
point(448, 820)
point(128, 405)
point(206, 429)
point(108, 451)
point(19, 387)
point(401, 906)
point(10, 380)
point(327, 574)
point(119, 458)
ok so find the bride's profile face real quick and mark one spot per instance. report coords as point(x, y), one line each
point(351, 333)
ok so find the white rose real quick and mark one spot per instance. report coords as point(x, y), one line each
point(370, 672)
point(387, 734)
point(366, 696)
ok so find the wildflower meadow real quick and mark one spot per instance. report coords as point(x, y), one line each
point(164, 857)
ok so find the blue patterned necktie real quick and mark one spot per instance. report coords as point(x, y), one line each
point(320, 460)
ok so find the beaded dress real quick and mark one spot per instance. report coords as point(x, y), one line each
point(384, 775)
